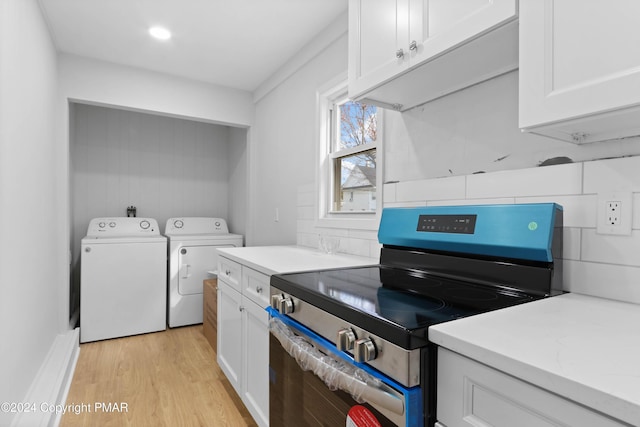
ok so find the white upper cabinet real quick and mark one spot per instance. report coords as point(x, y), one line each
point(403, 53)
point(580, 69)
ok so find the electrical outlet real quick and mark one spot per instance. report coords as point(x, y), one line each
point(614, 214)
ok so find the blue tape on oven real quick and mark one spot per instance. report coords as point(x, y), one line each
point(412, 396)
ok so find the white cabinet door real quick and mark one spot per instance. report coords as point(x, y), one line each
point(580, 69)
point(378, 29)
point(230, 334)
point(255, 285)
point(437, 26)
point(471, 394)
point(407, 52)
point(230, 272)
point(256, 361)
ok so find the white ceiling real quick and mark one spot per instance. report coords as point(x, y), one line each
point(234, 43)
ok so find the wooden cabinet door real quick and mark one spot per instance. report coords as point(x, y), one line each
point(230, 334)
point(377, 30)
point(578, 59)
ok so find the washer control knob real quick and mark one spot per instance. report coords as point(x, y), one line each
point(365, 350)
point(217, 223)
point(144, 224)
point(178, 223)
point(112, 224)
point(102, 224)
point(346, 339)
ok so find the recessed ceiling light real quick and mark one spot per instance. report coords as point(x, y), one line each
point(160, 33)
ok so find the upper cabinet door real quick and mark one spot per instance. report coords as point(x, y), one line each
point(580, 68)
point(407, 52)
point(437, 26)
point(378, 32)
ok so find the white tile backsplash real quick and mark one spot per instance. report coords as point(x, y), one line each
point(599, 265)
point(432, 189)
point(612, 174)
point(541, 181)
point(620, 250)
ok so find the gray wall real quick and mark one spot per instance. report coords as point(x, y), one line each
point(165, 166)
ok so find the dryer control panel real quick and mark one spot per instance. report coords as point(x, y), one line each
point(122, 227)
point(196, 225)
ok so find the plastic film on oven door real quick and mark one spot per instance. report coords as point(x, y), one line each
point(338, 371)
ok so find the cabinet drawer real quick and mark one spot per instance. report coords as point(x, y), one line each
point(473, 394)
point(230, 272)
point(255, 286)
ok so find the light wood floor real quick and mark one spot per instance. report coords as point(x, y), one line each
point(167, 378)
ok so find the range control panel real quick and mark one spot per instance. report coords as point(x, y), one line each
point(122, 227)
point(462, 224)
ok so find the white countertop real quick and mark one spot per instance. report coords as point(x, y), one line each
point(287, 259)
point(584, 348)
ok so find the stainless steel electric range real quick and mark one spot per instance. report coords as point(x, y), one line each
point(349, 346)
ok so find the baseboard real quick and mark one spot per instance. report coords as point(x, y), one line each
point(49, 390)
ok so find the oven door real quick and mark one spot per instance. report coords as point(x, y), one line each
point(311, 383)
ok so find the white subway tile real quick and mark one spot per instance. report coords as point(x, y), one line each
point(578, 210)
point(306, 198)
point(359, 247)
point(602, 280)
point(612, 174)
point(571, 238)
point(431, 189)
point(305, 226)
point(389, 193)
point(621, 250)
point(466, 202)
point(636, 211)
point(540, 181)
point(306, 212)
point(405, 204)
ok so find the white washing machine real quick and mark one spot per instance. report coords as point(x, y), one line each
point(193, 258)
point(123, 276)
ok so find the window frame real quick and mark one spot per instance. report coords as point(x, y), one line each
point(327, 97)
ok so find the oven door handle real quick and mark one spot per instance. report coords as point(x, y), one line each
point(336, 374)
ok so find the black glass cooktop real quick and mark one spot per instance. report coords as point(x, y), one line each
point(393, 303)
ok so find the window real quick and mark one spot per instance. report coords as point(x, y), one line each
point(349, 164)
point(354, 127)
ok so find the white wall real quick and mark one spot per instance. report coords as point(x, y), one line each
point(283, 143)
point(105, 83)
point(238, 216)
point(164, 166)
point(33, 256)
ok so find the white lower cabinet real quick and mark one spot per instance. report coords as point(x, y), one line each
point(230, 333)
point(473, 394)
point(243, 335)
point(255, 388)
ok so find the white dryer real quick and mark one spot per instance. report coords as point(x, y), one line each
point(193, 257)
point(122, 278)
